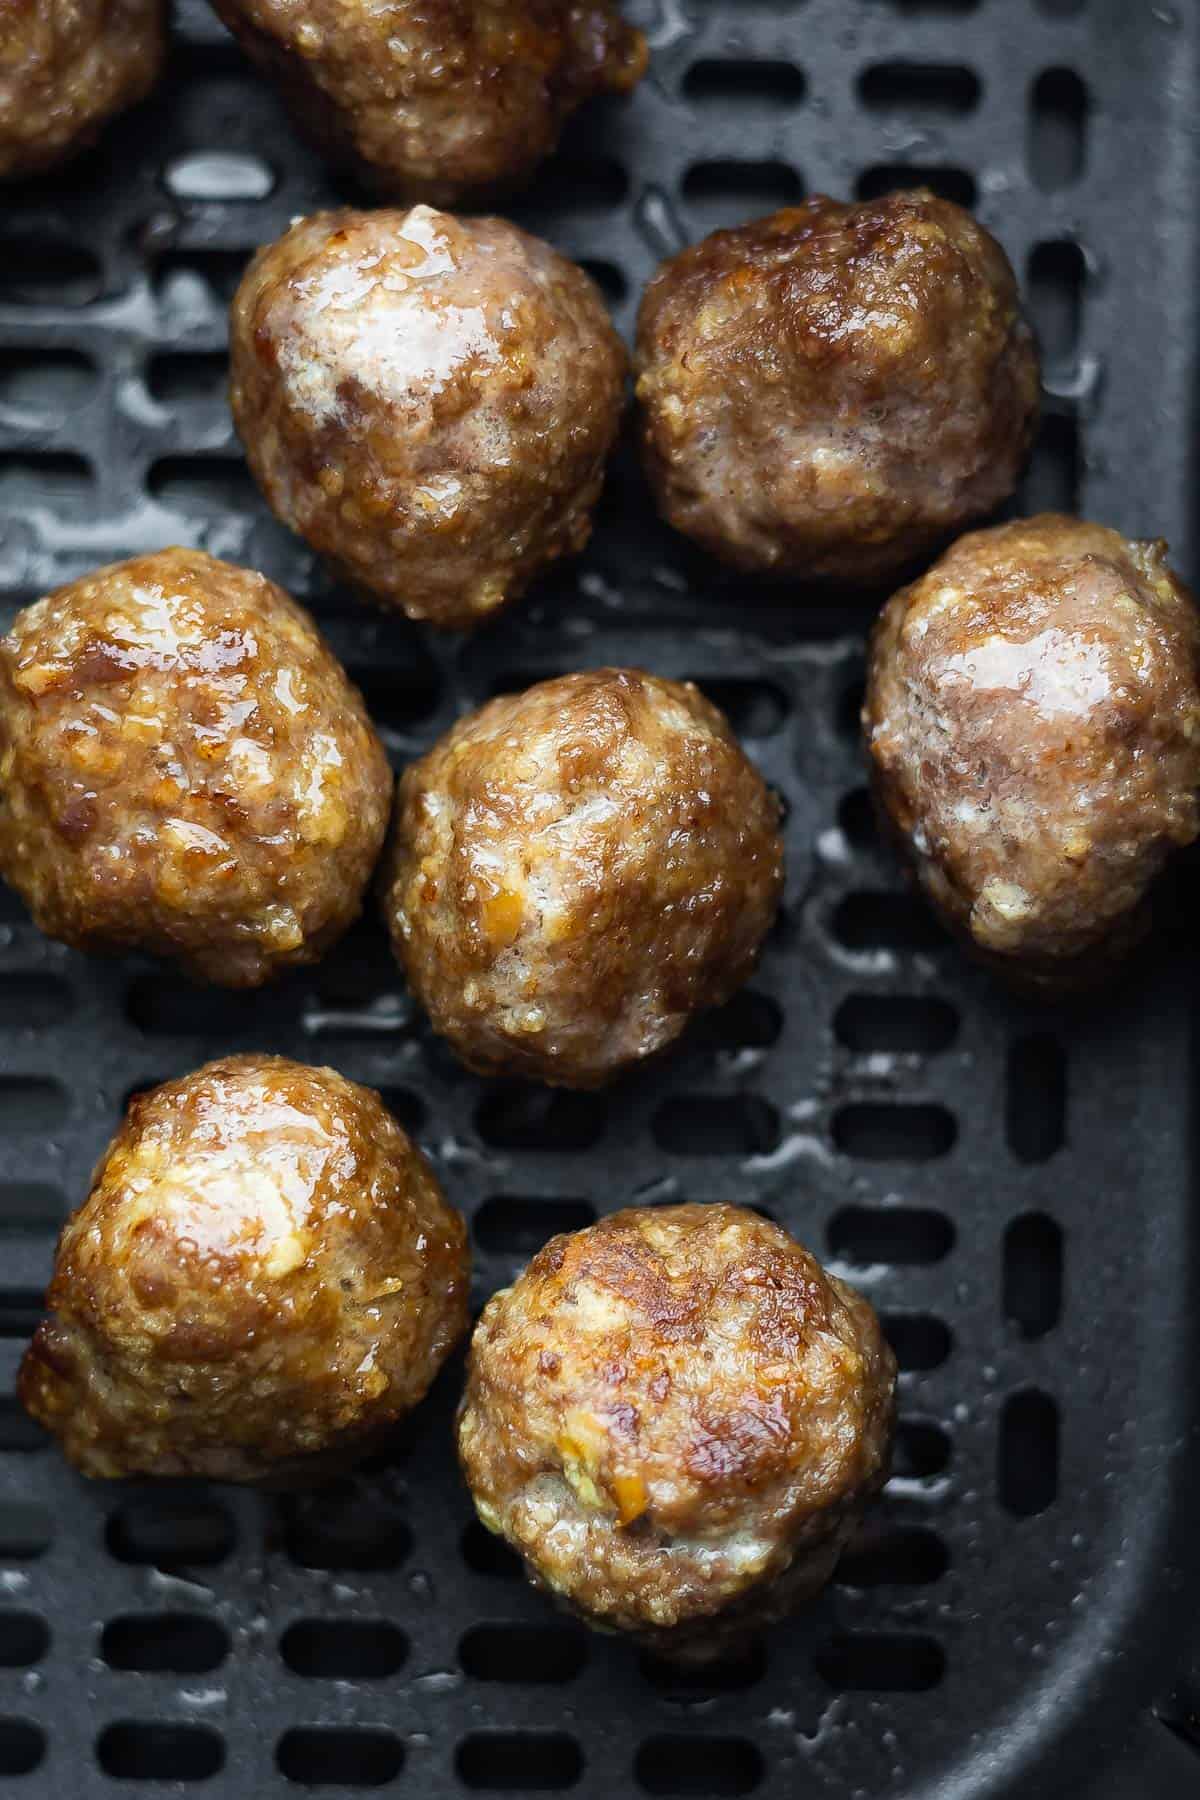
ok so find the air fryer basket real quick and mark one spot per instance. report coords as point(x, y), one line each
point(1010, 1184)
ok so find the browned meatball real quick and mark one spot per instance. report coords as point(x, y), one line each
point(66, 67)
point(577, 871)
point(439, 99)
point(676, 1418)
point(185, 769)
point(1033, 719)
point(430, 401)
point(264, 1273)
point(828, 392)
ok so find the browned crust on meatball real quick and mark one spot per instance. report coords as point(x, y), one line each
point(439, 100)
point(676, 1418)
point(264, 1273)
point(1033, 721)
point(578, 870)
point(185, 769)
point(430, 401)
point(829, 392)
point(66, 68)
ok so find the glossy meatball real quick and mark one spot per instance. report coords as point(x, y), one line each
point(264, 1277)
point(185, 769)
point(430, 401)
point(577, 871)
point(439, 100)
point(66, 67)
point(829, 392)
point(676, 1418)
point(1033, 719)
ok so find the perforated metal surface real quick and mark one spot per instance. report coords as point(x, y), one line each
point(1011, 1186)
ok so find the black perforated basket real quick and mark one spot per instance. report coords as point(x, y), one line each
point(1011, 1185)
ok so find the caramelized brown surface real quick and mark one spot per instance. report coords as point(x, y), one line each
point(66, 67)
point(1033, 718)
point(579, 869)
point(430, 401)
point(185, 769)
point(676, 1417)
point(828, 392)
point(265, 1271)
point(438, 100)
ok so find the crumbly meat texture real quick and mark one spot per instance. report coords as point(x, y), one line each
point(66, 67)
point(828, 392)
point(1033, 721)
point(438, 100)
point(185, 769)
point(264, 1277)
point(430, 401)
point(676, 1417)
point(579, 869)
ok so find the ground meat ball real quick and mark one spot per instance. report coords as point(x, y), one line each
point(66, 67)
point(676, 1418)
point(577, 871)
point(429, 401)
point(829, 392)
point(1033, 718)
point(264, 1273)
point(439, 100)
point(185, 769)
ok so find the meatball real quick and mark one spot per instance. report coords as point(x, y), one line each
point(579, 869)
point(430, 401)
point(1033, 720)
point(66, 67)
point(676, 1417)
point(439, 100)
point(829, 392)
point(264, 1277)
point(185, 769)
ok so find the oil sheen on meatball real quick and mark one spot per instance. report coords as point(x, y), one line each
point(438, 100)
point(66, 67)
point(264, 1277)
point(676, 1417)
point(1033, 720)
point(578, 870)
point(829, 392)
point(430, 401)
point(186, 770)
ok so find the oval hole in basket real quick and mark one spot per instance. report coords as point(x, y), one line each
point(541, 1654)
point(136, 1750)
point(902, 1236)
point(882, 1132)
point(332, 1756)
point(24, 1639)
point(881, 1663)
point(1027, 1460)
point(893, 1556)
point(510, 1226)
point(922, 1449)
point(520, 1761)
point(717, 1125)
point(698, 1764)
point(921, 91)
point(896, 1024)
point(167, 1531)
point(1056, 146)
point(758, 83)
point(164, 1643)
point(920, 1341)
point(22, 1746)
point(344, 1649)
point(1033, 1274)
